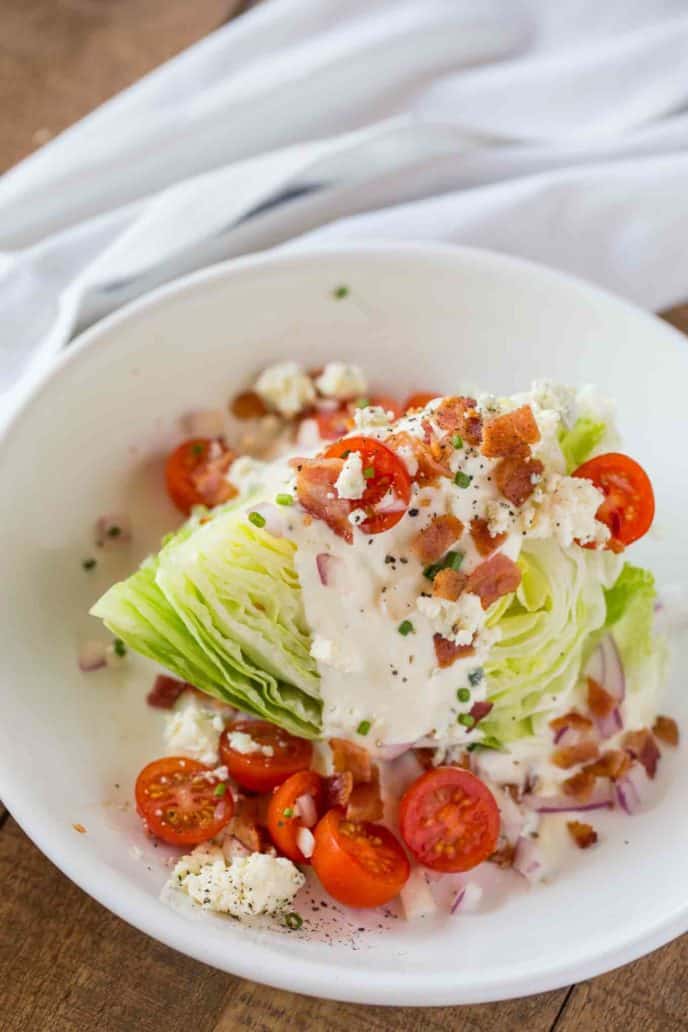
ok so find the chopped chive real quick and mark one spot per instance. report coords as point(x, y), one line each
point(452, 560)
point(362, 403)
point(369, 472)
point(220, 789)
point(476, 676)
point(288, 811)
point(256, 519)
point(466, 719)
point(363, 728)
point(293, 921)
point(120, 649)
point(488, 742)
point(457, 441)
point(463, 695)
point(405, 627)
point(284, 499)
point(197, 449)
point(340, 292)
point(462, 479)
point(88, 564)
point(114, 531)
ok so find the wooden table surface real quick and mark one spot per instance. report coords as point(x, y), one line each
point(66, 963)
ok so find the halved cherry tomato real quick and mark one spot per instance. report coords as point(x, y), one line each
point(360, 864)
point(449, 819)
point(283, 820)
point(334, 423)
point(629, 505)
point(420, 400)
point(182, 801)
point(383, 401)
point(196, 474)
point(386, 478)
point(257, 771)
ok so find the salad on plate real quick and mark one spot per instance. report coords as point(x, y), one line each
point(402, 644)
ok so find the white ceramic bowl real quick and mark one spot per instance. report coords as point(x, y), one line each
point(90, 439)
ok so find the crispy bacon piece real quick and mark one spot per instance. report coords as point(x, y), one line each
point(612, 764)
point(249, 818)
point(504, 856)
point(573, 719)
point(514, 477)
point(495, 577)
point(429, 467)
point(666, 729)
point(365, 802)
point(338, 788)
point(510, 434)
point(448, 652)
point(485, 542)
point(210, 479)
point(248, 405)
point(460, 415)
point(600, 702)
point(346, 756)
point(569, 755)
point(580, 786)
point(315, 486)
point(643, 748)
point(449, 584)
point(433, 541)
point(424, 757)
point(584, 835)
point(165, 691)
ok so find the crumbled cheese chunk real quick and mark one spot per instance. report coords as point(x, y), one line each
point(342, 381)
point(286, 388)
point(247, 473)
point(351, 483)
point(564, 508)
point(408, 457)
point(192, 730)
point(245, 887)
point(326, 651)
point(371, 417)
point(241, 742)
point(457, 621)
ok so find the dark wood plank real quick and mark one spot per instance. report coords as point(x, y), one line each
point(68, 965)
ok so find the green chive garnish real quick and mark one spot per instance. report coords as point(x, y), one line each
point(362, 403)
point(466, 719)
point(284, 499)
point(476, 676)
point(462, 479)
point(452, 561)
point(288, 811)
point(256, 519)
point(463, 695)
point(363, 728)
point(405, 627)
point(293, 921)
point(120, 649)
point(220, 789)
point(369, 472)
point(340, 292)
point(88, 564)
point(457, 441)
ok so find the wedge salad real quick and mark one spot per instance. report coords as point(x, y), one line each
point(402, 643)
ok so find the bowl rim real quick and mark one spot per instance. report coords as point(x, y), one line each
point(311, 976)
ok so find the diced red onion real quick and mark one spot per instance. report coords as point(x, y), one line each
point(165, 692)
point(631, 788)
point(479, 710)
point(92, 656)
point(306, 810)
point(390, 503)
point(305, 841)
point(560, 734)
point(416, 897)
point(528, 860)
point(113, 529)
point(601, 799)
point(327, 565)
point(458, 900)
point(204, 423)
point(611, 724)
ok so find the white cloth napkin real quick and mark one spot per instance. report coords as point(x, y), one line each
point(553, 130)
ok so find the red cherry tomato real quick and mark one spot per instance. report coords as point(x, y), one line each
point(420, 400)
point(629, 503)
point(449, 820)
point(196, 474)
point(283, 819)
point(386, 478)
point(360, 864)
point(257, 771)
point(334, 423)
point(182, 801)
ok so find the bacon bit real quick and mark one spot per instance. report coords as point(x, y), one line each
point(248, 405)
point(514, 477)
point(514, 791)
point(600, 702)
point(666, 729)
point(165, 691)
point(250, 817)
point(315, 486)
point(510, 434)
point(569, 755)
point(210, 480)
point(426, 427)
point(429, 468)
point(494, 578)
point(574, 720)
point(612, 764)
point(584, 835)
point(580, 785)
point(461, 415)
point(448, 652)
point(449, 584)
point(365, 802)
point(482, 539)
point(80, 828)
point(479, 710)
point(354, 758)
point(424, 757)
point(642, 747)
point(504, 856)
point(338, 788)
point(431, 543)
